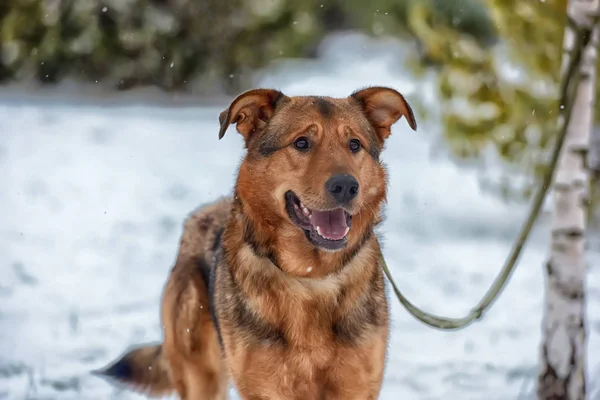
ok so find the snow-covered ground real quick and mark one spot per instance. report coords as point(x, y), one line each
point(91, 205)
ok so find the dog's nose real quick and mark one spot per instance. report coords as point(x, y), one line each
point(343, 188)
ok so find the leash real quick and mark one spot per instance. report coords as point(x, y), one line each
point(568, 89)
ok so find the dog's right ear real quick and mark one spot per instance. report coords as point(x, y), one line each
point(250, 111)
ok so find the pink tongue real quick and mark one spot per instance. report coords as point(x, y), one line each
point(332, 224)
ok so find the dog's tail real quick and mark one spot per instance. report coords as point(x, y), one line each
point(143, 369)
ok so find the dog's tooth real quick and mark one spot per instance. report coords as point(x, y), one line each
point(319, 231)
point(305, 211)
point(347, 230)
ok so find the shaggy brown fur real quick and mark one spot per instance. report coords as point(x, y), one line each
point(279, 288)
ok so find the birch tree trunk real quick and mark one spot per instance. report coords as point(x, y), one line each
point(563, 351)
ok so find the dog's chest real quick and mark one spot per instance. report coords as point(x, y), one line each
point(324, 371)
point(306, 337)
point(311, 319)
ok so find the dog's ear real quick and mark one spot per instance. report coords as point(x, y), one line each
point(250, 111)
point(383, 107)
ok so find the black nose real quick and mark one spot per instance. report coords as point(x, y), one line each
point(343, 188)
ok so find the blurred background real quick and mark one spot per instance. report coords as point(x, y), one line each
point(108, 139)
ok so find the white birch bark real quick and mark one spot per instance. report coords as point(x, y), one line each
point(564, 337)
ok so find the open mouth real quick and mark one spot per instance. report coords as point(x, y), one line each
point(327, 229)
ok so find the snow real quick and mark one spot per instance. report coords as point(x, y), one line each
point(92, 203)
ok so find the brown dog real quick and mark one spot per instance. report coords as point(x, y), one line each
point(280, 288)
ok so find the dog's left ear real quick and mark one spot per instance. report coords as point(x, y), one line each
point(383, 107)
point(250, 111)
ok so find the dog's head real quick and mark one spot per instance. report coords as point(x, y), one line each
point(312, 171)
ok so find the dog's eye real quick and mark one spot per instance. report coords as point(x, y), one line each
point(354, 145)
point(302, 143)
